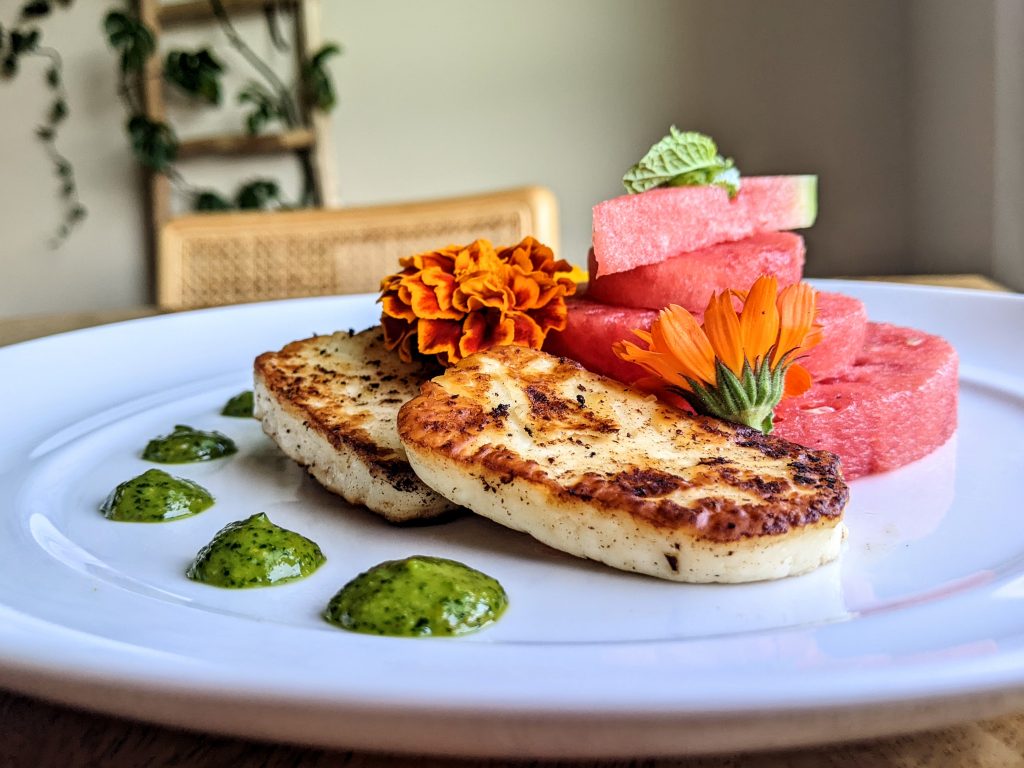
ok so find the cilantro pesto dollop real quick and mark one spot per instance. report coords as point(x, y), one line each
point(255, 553)
point(186, 444)
point(240, 406)
point(155, 497)
point(417, 597)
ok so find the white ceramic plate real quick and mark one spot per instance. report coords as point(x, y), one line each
point(920, 623)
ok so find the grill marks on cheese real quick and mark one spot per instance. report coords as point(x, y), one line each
point(330, 403)
point(601, 471)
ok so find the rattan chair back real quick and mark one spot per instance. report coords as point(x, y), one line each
point(207, 260)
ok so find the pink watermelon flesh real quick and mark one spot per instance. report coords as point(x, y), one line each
point(690, 279)
point(844, 325)
point(896, 403)
point(634, 230)
point(593, 328)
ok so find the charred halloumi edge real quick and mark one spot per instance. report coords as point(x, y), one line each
point(330, 403)
point(600, 471)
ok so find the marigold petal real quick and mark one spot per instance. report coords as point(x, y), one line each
point(484, 330)
point(798, 380)
point(530, 255)
point(797, 307)
point(527, 333)
point(425, 303)
point(553, 316)
point(526, 292)
point(478, 256)
point(759, 321)
point(722, 327)
point(484, 290)
point(398, 335)
point(393, 307)
point(439, 337)
point(676, 334)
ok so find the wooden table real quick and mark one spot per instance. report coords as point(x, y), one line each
point(39, 734)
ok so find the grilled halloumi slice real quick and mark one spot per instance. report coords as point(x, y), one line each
point(598, 470)
point(330, 403)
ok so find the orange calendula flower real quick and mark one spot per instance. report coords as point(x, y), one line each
point(463, 299)
point(737, 365)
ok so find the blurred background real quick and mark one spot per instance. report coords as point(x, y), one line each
point(911, 112)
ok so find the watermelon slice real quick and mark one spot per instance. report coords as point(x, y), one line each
point(844, 325)
point(896, 403)
point(634, 230)
point(593, 328)
point(690, 279)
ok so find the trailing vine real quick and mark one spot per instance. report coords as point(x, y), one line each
point(20, 40)
point(197, 73)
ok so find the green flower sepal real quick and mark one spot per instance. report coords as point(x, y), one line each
point(749, 398)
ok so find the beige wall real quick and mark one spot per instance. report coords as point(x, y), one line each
point(455, 96)
point(1008, 245)
point(806, 86)
point(102, 265)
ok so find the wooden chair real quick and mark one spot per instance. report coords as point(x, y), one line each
point(211, 259)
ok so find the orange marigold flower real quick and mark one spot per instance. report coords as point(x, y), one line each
point(463, 299)
point(737, 365)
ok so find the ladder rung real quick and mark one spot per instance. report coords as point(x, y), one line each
point(244, 144)
point(170, 15)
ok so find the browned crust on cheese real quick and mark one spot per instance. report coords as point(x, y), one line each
point(813, 490)
point(301, 386)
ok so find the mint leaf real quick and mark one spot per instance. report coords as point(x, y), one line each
point(683, 159)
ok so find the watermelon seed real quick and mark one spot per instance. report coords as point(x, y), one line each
point(819, 409)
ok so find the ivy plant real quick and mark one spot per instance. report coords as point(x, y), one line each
point(21, 41)
point(196, 73)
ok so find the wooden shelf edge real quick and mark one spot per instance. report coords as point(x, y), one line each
point(200, 10)
point(244, 144)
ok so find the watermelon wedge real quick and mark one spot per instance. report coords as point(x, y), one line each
point(690, 279)
point(896, 404)
point(593, 327)
point(634, 230)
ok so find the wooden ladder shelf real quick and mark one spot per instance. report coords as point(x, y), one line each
point(309, 142)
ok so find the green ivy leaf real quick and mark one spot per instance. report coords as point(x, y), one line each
point(58, 111)
point(23, 42)
point(682, 159)
point(34, 9)
point(207, 201)
point(53, 77)
point(258, 195)
point(154, 144)
point(131, 38)
point(9, 67)
point(317, 85)
point(197, 74)
point(265, 107)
